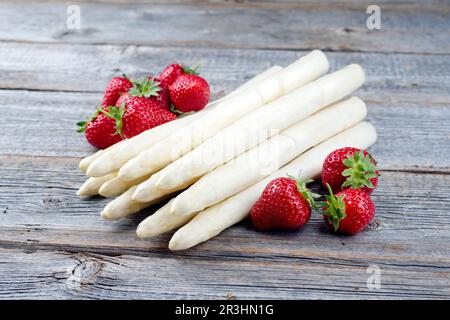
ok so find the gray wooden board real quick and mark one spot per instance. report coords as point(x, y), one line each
point(405, 241)
point(236, 26)
point(62, 275)
point(55, 245)
point(64, 67)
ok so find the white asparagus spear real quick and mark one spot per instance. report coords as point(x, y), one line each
point(255, 164)
point(248, 167)
point(112, 158)
point(149, 189)
point(117, 186)
point(259, 125)
point(123, 206)
point(160, 222)
point(299, 73)
point(91, 186)
point(86, 161)
point(210, 222)
point(232, 210)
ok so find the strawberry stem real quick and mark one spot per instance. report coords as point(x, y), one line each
point(334, 208)
point(83, 124)
point(194, 70)
point(116, 113)
point(145, 88)
point(304, 190)
point(360, 169)
point(174, 110)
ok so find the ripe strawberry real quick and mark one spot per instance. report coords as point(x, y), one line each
point(189, 93)
point(350, 167)
point(349, 211)
point(173, 71)
point(100, 130)
point(116, 87)
point(111, 124)
point(138, 115)
point(284, 204)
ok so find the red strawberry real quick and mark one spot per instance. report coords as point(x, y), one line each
point(173, 71)
point(189, 93)
point(116, 87)
point(138, 115)
point(350, 167)
point(284, 204)
point(349, 211)
point(111, 124)
point(100, 130)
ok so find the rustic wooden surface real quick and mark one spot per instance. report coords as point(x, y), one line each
point(54, 245)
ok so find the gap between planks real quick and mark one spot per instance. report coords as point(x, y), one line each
point(212, 45)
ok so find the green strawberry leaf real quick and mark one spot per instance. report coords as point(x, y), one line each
point(334, 208)
point(145, 88)
point(83, 124)
point(194, 70)
point(360, 169)
point(116, 113)
point(371, 175)
point(305, 191)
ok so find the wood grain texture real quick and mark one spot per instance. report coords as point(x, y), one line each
point(405, 241)
point(62, 275)
point(87, 68)
point(232, 26)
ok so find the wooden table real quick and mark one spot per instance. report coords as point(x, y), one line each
point(55, 245)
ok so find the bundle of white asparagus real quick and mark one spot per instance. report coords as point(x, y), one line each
point(282, 121)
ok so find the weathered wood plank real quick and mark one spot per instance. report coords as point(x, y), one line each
point(100, 259)
point(246, 25)
point(61, 275)
point(43, 124)
point(87, 68)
